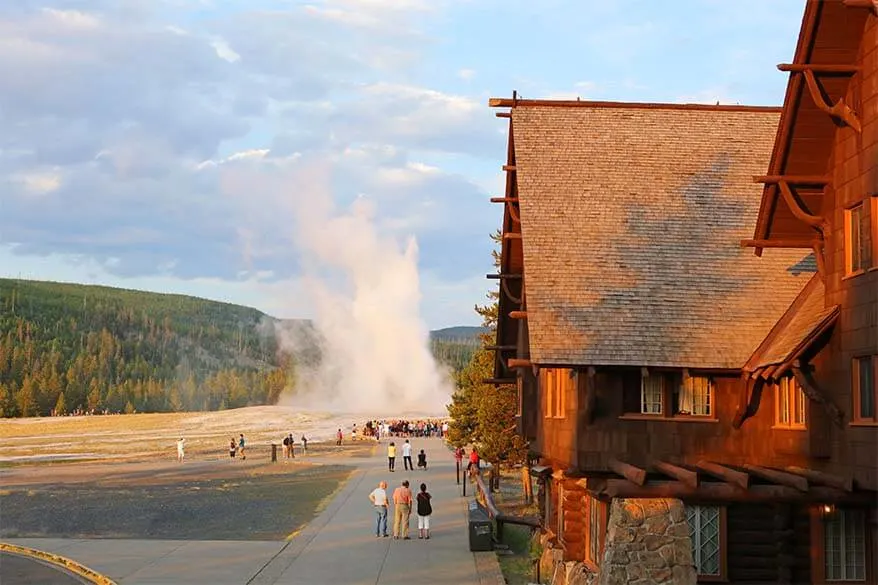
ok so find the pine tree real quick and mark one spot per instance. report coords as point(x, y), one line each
point(60, 405)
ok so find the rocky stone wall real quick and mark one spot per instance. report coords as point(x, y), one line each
point(647, 543)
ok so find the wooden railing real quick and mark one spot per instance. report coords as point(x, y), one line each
point(486, 498)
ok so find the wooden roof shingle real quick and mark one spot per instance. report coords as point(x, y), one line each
point(631, 221)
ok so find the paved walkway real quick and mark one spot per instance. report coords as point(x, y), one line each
point(338, 547)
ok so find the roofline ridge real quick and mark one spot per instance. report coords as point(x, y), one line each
point(517, 102)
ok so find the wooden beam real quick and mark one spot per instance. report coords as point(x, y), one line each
point(503, 114)
point(721, 492)
point(518, 314)
point(513, 102)
point(779, 477)
point(777, 243)
point(817, 68)
point(518, 363)
point(684, 476)
point(872, 4)
point(499, 381)
point(810, 389)
point(588, 408)
point(794, 179)
point(512, 236)
point(501, 347)
point(628, 471)
point(504, 199)
point(752, 399)
point(726, 474)
point(839, 111)
point(821, 478)
point(814, 221)
point(502, 276)
point(508, 167)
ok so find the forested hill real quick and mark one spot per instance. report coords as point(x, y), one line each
point(72, 348)
point(65, 347)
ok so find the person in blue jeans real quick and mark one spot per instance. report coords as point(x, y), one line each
point(378, 497)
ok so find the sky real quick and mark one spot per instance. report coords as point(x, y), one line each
point(158, 144)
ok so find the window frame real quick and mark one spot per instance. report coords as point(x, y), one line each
point(789, 386)
point(710, 397)
point(596, 513)
point(661, 394)
point(819, 557)
point(556, 382)
point(723, 544)
point(861, 210)
point(856, 392)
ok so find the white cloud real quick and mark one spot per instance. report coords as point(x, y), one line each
point(224, 51)
point(38, 183)
point(467, 74)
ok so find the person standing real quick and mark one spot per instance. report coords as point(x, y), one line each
point(425, 509)
point(292, 446)
point(338, 437)
point(391, 456)
point(241, 444)
point(402, 511)
point(286, 442)
point(180, 444)
point(304, 445)
point(378, 497)
point(407, 456)
point(233, 448)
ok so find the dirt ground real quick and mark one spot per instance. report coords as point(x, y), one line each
point(200, 499)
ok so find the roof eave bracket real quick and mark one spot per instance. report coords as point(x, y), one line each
point(840, 111)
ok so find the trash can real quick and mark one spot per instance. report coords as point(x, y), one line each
point(479, 526)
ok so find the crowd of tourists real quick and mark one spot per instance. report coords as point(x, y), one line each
point(379, 429)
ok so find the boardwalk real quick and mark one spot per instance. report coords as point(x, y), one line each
point(338, 547)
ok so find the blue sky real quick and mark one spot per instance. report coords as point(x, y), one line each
point(155, 144)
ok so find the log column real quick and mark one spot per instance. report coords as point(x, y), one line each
point(573, 503)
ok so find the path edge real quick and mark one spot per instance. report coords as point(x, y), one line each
point(72, 566)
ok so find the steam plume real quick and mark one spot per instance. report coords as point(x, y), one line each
point(365, 292)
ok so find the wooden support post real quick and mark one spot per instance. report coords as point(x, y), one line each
point(728, 475)
point(779, 477)
point(503, 114)
point(508, 167)
point(809, 387)
point(504, 199)
point(512, 236)
point(821, 478)
point(686, 477)
point(503, 275)
point(518, 363)
point(518, 314)
point(628, 471)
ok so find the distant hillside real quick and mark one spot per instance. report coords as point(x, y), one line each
point(459, 332)
point(71, 347)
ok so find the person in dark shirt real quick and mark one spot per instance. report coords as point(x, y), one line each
point(422, 460)
point(425, 509)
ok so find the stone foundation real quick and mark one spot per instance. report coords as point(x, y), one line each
point(647, 544)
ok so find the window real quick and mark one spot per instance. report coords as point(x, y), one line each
point(844, 545)
point(694, 396)
point(857, 248)
point(864, 390)
point(706, 527)
point(556, 382)
point(789, 404)
point(651, 394)
point(597, 530)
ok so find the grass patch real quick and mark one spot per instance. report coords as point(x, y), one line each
point(255, 507)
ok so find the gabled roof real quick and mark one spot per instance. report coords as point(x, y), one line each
point(631, 221)
point(831, 36)
point(801, 325)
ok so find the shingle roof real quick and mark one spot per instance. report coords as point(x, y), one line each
point(631, 225)
point(805, 317)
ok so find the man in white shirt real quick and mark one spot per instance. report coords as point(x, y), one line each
point(378, 497)
point(180, 444)
point(407, 456)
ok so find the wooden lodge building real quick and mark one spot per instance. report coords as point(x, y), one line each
point(689, 307)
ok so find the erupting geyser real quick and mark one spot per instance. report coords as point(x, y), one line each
point(365, 292)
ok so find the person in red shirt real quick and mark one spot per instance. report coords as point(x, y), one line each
point(473, 460)
point(402, 511)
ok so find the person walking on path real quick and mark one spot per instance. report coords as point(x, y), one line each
point(425, 508)
point(407, 456)
point(304, 445)
point(378, 497)
point(180, 444)
point(402, 511)
point(241, 443)
point(391, 456)
point(338, 437)
point(233, 448)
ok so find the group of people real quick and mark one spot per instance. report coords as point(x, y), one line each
point(402, 499)
point(406, 457)
point(289, 444)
